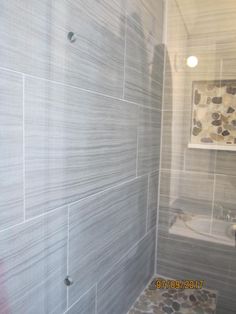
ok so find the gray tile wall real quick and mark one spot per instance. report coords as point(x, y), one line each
point(80, 143)
point(195, 182)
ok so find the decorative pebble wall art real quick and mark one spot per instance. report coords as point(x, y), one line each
point(214, 115)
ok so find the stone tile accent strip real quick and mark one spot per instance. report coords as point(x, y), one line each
point(175, 301)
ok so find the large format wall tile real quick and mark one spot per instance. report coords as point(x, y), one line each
point(38, 29)
point(33, 265)
point(11, 147)
point(118, 290)
point(144, 59)
point(189, 188)
point(86, 304)
point(225, 163)
point(102, 229)
point(148, 140)
point(183, 258)
point(148, 14)
point(152, 199)
point(85, 143)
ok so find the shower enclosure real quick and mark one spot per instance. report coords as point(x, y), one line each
point(117, 161)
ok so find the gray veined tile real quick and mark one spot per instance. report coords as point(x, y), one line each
point(85, 143)
point(86, 304)
point(33, 265)
point(118, 290)
point(144, 57)
point(102, 229)
point(149, 131)
point(192, 191)
point(225, 163)
point(181, 258)
point(38, 29)
point(152, 199)
point(11, 147)
point(149, 15)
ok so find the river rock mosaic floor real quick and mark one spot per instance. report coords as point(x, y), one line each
point(172, 301)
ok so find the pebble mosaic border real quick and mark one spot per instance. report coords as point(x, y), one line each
point(175, 301)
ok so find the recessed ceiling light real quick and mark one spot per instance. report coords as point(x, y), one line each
point(192, 62)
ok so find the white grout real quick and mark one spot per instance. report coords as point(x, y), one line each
point(94, 286)
point(147, 213)
point(79, 88)
point(23, 142)
point(96, 298)
point(124, 78)
point(137, 147)
point(67, 254)
point(213, 196)
point(162, 119)
point(73, 203)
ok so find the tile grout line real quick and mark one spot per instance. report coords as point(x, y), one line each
point(147, 213)
point(96, 298)
point(84, 294)
point(213, 196)
point(161, 135)
point(78, 88)
point(125, 44)
point(67, 253)
point(137, 146)
point(23, 143)
point(74, 203)
point(128, 251)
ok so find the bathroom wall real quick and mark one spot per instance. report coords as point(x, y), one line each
point(80, 144)
point(197, 184)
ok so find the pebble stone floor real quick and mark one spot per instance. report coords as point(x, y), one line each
point(175, 301)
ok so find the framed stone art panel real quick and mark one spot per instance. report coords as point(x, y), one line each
point(214, 115)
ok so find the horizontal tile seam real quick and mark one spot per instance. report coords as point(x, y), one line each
point(80, 298)
point(186, 171)
point(72, 204)
point(113, 187)
point(147, 75)
point(127, 252)
point(78, 88)
point(173, 170)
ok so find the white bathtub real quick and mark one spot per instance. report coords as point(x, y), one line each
point(203, 228)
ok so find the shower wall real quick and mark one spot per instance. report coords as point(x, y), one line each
point(80, 143)
point(197, 183)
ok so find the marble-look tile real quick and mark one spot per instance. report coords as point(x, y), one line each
point(225, 163)
point(102, 229)
point(152, 199)
point(86, 304)
point(200, 160)
point(181, 258)
point(118, 290)
point(33, 265)
point(39, 30)
point(225, 197)
point(175, 151)
point(148, 15)
point(144, 57)
point(85, 143)
point(224, 206)
point(194, 188)
point(149, 132)
point(11, 161)
point(175, 136)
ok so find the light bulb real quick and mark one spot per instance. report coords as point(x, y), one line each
point(192, 61)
